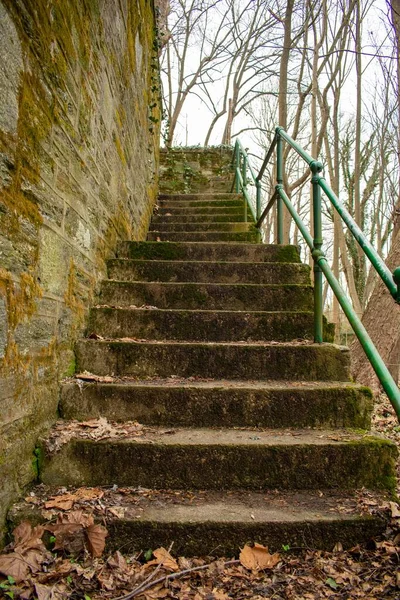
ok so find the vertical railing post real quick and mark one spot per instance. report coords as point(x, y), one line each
point(237, 166)
point(316, 168)
point(244, 177)
point(258, 199)
point(279, 186)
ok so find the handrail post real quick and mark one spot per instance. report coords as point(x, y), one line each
point(316, 168)
point(237, 166)
point(258, 199)
point(244, 178)
point(396, 279)
point(279, 180)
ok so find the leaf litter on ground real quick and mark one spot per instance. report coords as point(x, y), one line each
point(75, 570)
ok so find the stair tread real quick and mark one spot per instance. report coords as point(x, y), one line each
point(220, 523)
point(255, 344)
point(178, 382)
point(211, 284)
point(228, 437)
point(233, 265)
point(208, 505)
point(218, 195)
point(178, 402)
point(176, 311)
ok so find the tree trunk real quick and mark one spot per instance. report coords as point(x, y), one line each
point(382, 316)
point(283, 90)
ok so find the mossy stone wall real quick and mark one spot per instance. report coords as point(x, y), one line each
point(196, 170)
point(79, 130)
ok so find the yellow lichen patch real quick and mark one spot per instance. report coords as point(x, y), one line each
point(21, 299)
point(71, 297)
point(120, 149)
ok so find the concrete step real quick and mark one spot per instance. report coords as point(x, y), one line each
point(202, 403)
point(203, 251)
point(208, 272)
point(206, 197)
point(200, 325)
point(201, 211)
point(166, 227)
point(295, 362)
point(204, 523)
point(202, 236)
point(208, 296)
point(169, 217)
point(228, 203)
point(225, 459)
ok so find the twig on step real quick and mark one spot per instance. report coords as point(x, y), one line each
point(150, 582)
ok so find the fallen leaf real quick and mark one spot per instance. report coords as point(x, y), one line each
point(257, 558)
point(86, 376)
point(394, 508)
point(164, 557)
point(89, 493)
point(117, 511)
point(43, 592)
point(27, 537)
point(117, 561)
point(74, 531)
point(28, 555)
point(96, 537)
point(64, 502)
point(338, 547)
point(332, 583)
point(14, 565)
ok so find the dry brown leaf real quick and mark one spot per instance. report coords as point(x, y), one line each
point(64, 502)
point(89, 493)
point(28, 555)
point(27, 537)
point(394, 507)
point(257, 558)
point(70, 537)
point(75, 530)
point(43, 592)
point(32, 500)
point(96, 537)
point(14, 565)
point(117, 561)
point(86, 376)
point(164, 557)
point(118, 511)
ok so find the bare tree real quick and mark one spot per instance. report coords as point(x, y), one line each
point(382, 315)
point(190, 54)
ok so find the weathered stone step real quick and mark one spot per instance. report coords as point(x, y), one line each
point(207, 272)
point(209, 197)
point(296, 362)
point(209, 296)
point(209, 204)
point(203, 251)
point(200, 211)
point(226, 459)
point(166, 227)
point(201, 403)
point(203, 523)
point(208, 236)
point(200, 325)
point(209, 217)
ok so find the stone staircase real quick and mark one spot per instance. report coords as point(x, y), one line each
point(251, 431)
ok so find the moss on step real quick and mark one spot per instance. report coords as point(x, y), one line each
point(227, 461)
point(193, 404)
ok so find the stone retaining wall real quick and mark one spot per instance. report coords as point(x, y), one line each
point(79, 130)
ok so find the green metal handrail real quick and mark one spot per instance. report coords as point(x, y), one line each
point(321, 266)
